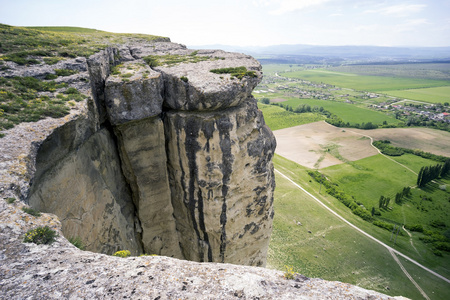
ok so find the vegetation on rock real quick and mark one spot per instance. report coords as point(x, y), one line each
point(40, 235)
point(122, 253)
point(238, 72)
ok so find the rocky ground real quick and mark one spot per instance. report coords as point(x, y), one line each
point(61, 271)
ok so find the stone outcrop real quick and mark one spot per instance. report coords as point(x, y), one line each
point(170, 159)
point(167, 158)
point(61, 271)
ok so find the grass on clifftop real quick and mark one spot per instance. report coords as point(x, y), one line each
point(27, 99)
point(22, 45)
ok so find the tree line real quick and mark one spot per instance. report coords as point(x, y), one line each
point(429, 173)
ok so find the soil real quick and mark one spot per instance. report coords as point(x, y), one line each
point(320, 145)
point(311, 145)
point(425, 139)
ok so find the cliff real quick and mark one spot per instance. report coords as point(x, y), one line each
point(169, 156)
point(61, 271)
point(163, 151)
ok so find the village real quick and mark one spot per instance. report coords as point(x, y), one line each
point(411, 111)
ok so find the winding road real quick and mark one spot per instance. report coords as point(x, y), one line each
point(392, 251)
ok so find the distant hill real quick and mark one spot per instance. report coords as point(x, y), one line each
point(339, 54)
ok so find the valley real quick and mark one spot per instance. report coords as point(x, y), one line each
point(346, 158)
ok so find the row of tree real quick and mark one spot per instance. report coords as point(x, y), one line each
point(427, 174)
point(406, 192)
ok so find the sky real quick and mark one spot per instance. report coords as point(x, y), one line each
point(249, 22)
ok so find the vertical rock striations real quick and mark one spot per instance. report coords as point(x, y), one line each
point(176, 161)
point(221, 190)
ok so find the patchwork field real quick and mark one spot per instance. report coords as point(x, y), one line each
point(277, 117)
point(365, 83)
point(425, 139)
point(347, 112)
point(317, 244)
point(320, 145)
point(432, 95)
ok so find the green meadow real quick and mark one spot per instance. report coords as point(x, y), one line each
point(432, 95)
point(278, 118)
point(365, 83)
point(347, 112)
point(318, 244)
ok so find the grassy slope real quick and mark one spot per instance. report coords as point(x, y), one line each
point(278, 118)
point(365, 83)
point(65, 29)
point(333, 250)
point(431, 95)
point(347, 112)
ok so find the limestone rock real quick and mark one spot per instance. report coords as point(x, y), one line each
point(222, 182)
point(172, 160)
point(134, 93)
point(87, 191)
point(143, 154)
point(61, 271)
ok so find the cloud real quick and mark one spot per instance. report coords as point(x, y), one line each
point(398, 10)
point(286, 6)
point(411, 25)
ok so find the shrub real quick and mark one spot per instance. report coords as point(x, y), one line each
point(383, 225)
point(76, 241)
point(238, 72)
point(437, 224)
point(51, 76)
point(40, 235)
point(122, 253)
point(184, 78)
point(416, 227)
point(289, 272)
point(10, 200)
point(265, 100)
point(52, 60)
point(65, 72)
point(31, 211)
point(444, 246)
point(72, 91)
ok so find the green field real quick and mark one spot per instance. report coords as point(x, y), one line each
point(323, 246)
point(365, 83)
point(438, 71)
point(278, 118)
point(432, 95)
point(377, 175)
point(347, 112)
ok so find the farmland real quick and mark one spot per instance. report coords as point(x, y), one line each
point(352, 100)
point(347, 112)
point(278, 118)
point(432, 95)
point(346, 158)
point(364, 83)
point(330, 249)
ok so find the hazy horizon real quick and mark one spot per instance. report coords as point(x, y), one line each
point(394, 23)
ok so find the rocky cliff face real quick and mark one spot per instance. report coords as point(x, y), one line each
point(168, 158)
point(165, 158)
point(61, 271)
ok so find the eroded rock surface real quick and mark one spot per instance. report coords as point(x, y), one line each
point(61, 271)
point(168, 157)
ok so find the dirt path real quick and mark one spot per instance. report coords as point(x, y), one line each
point(391, 250)
point(386, 156)
point(407, 275)
point(310, 144)
point(307, 144)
